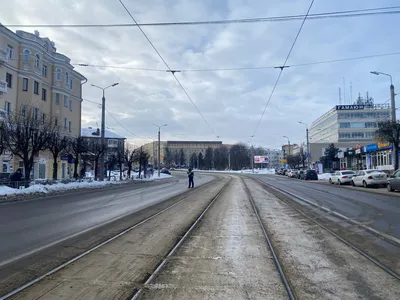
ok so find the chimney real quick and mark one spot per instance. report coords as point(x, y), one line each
point(37, 33)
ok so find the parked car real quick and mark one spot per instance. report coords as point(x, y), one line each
point(309, 175)
point(342, 177)
point(393, 182)
point(165, 171)
point(293, 173)
point(300, 174)
point(284, 171)
point(368, 178)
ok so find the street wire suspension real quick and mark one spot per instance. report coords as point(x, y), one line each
point(169, 69)
point(239, 68)
point(337, 14)
point(283, 67)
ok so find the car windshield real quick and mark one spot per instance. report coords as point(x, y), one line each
point(373, 171)
point(347, 172)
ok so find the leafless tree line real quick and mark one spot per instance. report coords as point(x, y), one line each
point(26, 136)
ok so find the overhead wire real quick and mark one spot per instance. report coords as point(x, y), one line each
point(169, 69)
point(336, 14)
point(241, 68)
point(282, 67)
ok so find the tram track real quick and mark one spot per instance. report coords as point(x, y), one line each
point(76, 260)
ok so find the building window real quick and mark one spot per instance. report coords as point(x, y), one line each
point(69, 126)
point(26, 57)
point(55, 121)
point(66, 101)
point(35, 113)
point(70, 84)
point(70, 105)
point(44, 71)
point(7, 107)
point(36, 87)
point(44, 94)
point(25, 84)
point(43, 118)
point(23, 111)
point(9, 52)
point(112, 143)
point(65, 123)
point(58, 98)
point(66, 78)
point(9, 80)
point(58, 74)
point(37, 61)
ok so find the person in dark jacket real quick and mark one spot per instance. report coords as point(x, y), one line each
point(191, 176)
point(16, 179)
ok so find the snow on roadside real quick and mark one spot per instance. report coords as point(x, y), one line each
point(246, 171)
point(324, 176)
point(60, 187)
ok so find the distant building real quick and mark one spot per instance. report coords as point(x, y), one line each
point(275, 156)
point(355, 123)
point(188, 147)
point(113, 141)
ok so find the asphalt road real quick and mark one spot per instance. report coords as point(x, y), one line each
point(381, 212)
point(26, 227)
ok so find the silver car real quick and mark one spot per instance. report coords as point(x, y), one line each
point(341, 177)
point(368, 178)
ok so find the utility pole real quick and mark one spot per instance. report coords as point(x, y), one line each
point(159, 148)
point(229, 159)
point(308, 144)
point(103, 127)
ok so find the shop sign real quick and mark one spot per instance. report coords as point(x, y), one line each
point(349, 107)
point(384, 145)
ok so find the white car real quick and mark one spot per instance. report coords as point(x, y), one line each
point(341, 177)
point(293, 173)
point(368, 178)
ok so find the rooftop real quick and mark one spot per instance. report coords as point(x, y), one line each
point(92, 132)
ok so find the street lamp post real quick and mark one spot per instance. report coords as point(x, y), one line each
point(392, 100)
point(308, 145)
point(103, 125)
point(252, 155)
point(159, 147)
point(288, 143)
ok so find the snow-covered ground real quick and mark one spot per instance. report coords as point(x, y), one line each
point(59, 187)
point(324, 176)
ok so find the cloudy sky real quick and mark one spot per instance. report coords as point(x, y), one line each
point(231, 101)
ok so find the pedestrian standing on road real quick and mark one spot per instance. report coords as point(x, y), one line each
point(190, 175)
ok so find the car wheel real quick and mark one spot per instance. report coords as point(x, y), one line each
point(338, 182)
point(389, 187)
point(365, 184)
point(352, 183)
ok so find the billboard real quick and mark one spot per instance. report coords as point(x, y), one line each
point(261, 159)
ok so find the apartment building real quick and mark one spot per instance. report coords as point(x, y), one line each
point(35, 77)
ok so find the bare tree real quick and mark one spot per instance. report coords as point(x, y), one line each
point(142, 158)
point(129, 158)
point(2, 142)
point(25, 136)
point(389, 131)
point(120, 160)
point(97, 149)
point(77, 146)
point(57, 143)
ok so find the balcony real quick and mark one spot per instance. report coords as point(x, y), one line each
point(3, 87)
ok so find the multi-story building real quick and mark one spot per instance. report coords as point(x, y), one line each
point(35, 77)
point(188, 147)
point(275, 157)
point(349, 123)
point(115, 143)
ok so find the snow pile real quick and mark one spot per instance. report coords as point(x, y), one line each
point(60, 187)
point(324, 176)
